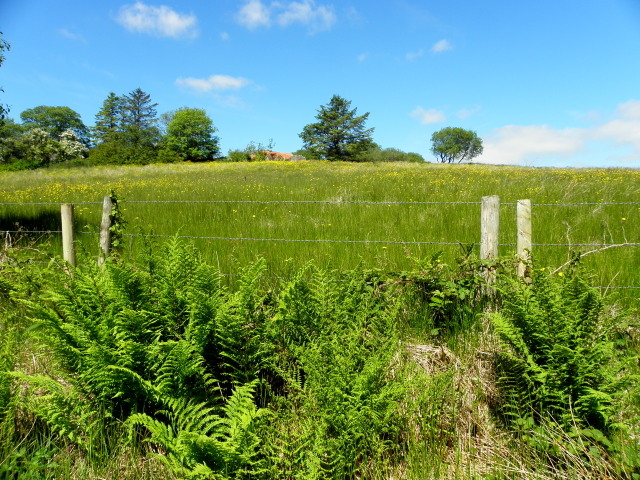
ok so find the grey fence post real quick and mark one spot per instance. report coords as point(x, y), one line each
point(489, 227)
point(105, 229)
point(523, 245)
point(68, 246)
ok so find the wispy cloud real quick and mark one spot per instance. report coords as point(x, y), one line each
point(413, 55)
point(363, 56)
point(161, 21)
point(255, 13)
point(441, 46)
point(430, 116)
point(71, 35)
point(468, 112)
point(213, 83)
point(532, 144)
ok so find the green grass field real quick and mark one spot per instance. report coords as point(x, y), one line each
point(558, 217)
point(373, 375)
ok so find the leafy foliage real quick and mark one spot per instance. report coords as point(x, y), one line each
point(55, 121)
point(453, 144)
point(392, 155)
point(190, 134)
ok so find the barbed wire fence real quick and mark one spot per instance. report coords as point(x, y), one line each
point(492, 248)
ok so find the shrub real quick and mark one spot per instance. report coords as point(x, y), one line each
point(392, 155)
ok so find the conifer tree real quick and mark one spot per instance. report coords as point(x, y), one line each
point(339, 134)
point(140, 119)
point(109, 120)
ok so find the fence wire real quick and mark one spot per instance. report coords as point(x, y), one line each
point(324, 202)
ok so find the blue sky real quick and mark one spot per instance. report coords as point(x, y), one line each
point(543, 83)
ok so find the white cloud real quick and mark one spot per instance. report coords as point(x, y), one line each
point(625, 131)
point(428, 116)
point(363, 56)
point(516, 145)
point(161, 21)
point(224, 36)
point(213, 83)
point(413, 55)
point(629, 110)
point(441, 46)
point(307, 13)
point(255, 14)
point(617, 141)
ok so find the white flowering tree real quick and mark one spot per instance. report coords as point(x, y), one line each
point(71, 146)
point(40, 149)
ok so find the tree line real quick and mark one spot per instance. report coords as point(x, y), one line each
point(128, 130)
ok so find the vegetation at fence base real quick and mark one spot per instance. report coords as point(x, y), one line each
point(156, 368)
point(566, 358)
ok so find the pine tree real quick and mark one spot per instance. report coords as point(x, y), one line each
point(339, 133)
point(126, 130)
point(109, 120)
point(140, 119)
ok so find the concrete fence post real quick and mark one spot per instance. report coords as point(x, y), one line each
point(68, 245)
point(489, 227)
point(524, 243)
point(105, 229)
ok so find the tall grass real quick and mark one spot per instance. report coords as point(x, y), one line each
point(557, 220)
point(361, 374)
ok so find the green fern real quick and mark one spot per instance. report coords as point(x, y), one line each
point(201, 444)
point(560, 351)
point(336, 342)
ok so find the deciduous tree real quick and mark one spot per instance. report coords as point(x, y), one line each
point(190, 133)
point(453, 144)
point(55, 120)
point(339, 134)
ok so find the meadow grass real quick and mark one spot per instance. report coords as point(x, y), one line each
point(556, 194)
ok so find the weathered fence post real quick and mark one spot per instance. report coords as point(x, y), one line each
point(523, 244)
point(68, 246)
point(105, 229)
point(489, 227)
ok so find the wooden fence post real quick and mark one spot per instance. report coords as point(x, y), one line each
point(489, 227)
point(68, 246)
point(523, 245)
point(105, 229)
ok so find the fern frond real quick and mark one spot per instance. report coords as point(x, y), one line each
point(60, 406)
